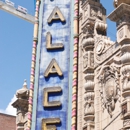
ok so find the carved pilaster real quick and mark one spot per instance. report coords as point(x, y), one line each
point(121, 15)
point(88, 70)
point(21, 104)
point(92, 25)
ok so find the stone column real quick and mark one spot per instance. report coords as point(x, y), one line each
point(88, 66)
point(21, 104)
point(121, 16)
point(92, 13)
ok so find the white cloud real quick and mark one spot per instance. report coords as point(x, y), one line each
point(9, 109)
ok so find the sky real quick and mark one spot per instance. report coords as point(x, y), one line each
point(16, 37)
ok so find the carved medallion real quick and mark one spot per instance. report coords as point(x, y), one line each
point(109, 87)
point(100, 47)
point(104, 48)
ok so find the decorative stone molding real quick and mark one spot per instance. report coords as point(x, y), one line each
point(104, 48)
point(89, 111)
point(88, 43)
point(94, 12)
point(102, 44)
point(123, 33)
point(125, 58)
point(88, 62)
point(89, 85)
point(88, 29)
point(109, 87)
point(92, 25)
point(121, 14)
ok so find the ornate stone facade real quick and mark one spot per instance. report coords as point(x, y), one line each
point(104, 68)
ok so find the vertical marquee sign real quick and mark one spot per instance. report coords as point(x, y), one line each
point(53, 80)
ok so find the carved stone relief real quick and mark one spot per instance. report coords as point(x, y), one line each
point(94, 12)
point(88, 61)
point(86, 13)
point(89, 103)
point(88, 30)
point(103, 48)
point(109, 87)
point(125, 78)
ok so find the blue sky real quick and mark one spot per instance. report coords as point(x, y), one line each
point(16, 37)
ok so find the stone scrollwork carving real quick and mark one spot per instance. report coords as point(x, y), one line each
point(109, 87)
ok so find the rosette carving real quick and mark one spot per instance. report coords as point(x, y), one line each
point(109, 87)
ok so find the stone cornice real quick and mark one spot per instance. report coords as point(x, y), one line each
point(119, 12)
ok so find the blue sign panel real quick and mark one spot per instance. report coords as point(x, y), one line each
point(52, 99)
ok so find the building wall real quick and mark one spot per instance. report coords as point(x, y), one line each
point(7, 122)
